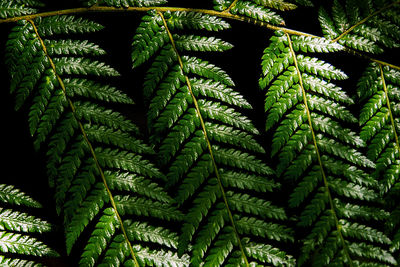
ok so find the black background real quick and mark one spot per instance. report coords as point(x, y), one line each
point(22, 166)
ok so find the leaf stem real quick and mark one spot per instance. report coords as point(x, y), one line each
point(95, 8)
point(210, 150)
point(389, 109)
point(361, 55)
point(323, 174)
point(83, 132)
point(231, 6)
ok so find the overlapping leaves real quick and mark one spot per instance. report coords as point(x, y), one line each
point(378, 90)
point(375, 24)
point(319, 156)
point(207, 146)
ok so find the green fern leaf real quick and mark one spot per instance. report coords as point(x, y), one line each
point(201, 43)
point(195, 21)
point(188, 97)
point(379, 121)
point(317, 154)
point(11, 195)
point(375, 119)
point(257, 12)
point(22, 244)
point(19, 230)
point(67, 117)
point(346, 25)
point(22, 222)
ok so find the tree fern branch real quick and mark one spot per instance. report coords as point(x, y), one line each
point(203, 126)
point(96, 8)
point(325, 180)
point(231, 6)
point(227, 15)
point(83, 132)
point(364, 20)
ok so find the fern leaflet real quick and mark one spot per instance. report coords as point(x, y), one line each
point(16, 8)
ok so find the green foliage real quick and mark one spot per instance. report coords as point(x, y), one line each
point(19, 239)
point(318, 155)
point(378, 32)
point(202, 190)
point(260, 10)
point(124, 3)
point(188, 95)
point(68, 115)
point(378, 89)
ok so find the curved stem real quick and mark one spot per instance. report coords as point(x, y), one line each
point(85, 137)
point(95, 8)
point(385, 89)
point(224, 14)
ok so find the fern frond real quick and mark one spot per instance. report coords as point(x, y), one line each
point(92, 148)
point(18, 230)
point(364, 29)
point(379, 121)
point(318, 154)
point(207, 146)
